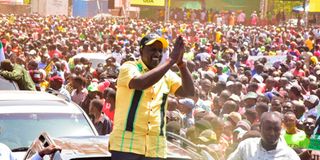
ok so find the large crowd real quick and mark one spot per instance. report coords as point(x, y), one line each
point(239, 72)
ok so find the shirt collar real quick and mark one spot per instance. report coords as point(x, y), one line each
point(141, 66)
point(279, 146)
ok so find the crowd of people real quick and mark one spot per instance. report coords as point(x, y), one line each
point(227, 17)
point(238, 91)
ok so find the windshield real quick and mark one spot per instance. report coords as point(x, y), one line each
point(21, 129)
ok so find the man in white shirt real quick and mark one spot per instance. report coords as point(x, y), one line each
point(6, 154)
point(269, 146)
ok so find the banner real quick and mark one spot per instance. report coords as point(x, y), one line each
point(314, 6)
point(270, 59)
point(148, 2)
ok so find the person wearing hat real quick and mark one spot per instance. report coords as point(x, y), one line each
point(207, 137)
point(142, 90)
point(186, 107)
point(312, 103)
point(56, 85)
point(250, 100)
point(17, 73)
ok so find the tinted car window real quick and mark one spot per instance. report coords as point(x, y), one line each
point(7, 85)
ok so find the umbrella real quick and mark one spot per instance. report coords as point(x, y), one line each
point(300, 8)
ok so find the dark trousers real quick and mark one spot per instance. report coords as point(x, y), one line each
point(116, 155)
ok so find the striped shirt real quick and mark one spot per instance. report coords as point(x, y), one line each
point(139, 120)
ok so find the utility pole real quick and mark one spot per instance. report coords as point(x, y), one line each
point(167, 11)
point(99, 7)
point(306, 11)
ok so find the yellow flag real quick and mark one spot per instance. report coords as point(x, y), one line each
point(48, 68)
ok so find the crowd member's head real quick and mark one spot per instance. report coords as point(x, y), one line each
point(251, 115)
point(172, 104)
point(264, 98)
point(309, 125)
point(259, 67)
point(205, 85)
point(311, 102)
point(276, 105)
point(289, 122)
point(287, 107)
point(295, 93)
point(252, 87)
point(223, 97)
point(110, 96)
point(229, 106)
point(270, 129)
point(32, 65)
point(186, 105)
point(270, 83)
point(174, 127)
point(220, 86)
point(202, 125)
point(78, 83)
point(234, 118)
point(95, 109)
point(56, 82)
point(207, 137)
point(6, 65)
point(299, 108)
point(250, 99)
point(261, 108)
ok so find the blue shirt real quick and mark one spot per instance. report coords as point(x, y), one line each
point(6, 154)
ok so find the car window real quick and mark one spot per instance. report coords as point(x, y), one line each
point(20, 129)
point(7, 85)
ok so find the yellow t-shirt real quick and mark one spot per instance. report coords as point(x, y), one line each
point(309, 44)
point(218, 37)
point(139, 120)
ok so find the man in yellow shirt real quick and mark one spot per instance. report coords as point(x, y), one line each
point(309, 43)
point(141, 99)
point(218, 35)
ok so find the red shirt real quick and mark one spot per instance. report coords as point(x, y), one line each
point(106, 111)
point(53, 52)
point(298, 73)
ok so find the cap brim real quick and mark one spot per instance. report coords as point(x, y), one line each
point(204, 139)
point(162, 40)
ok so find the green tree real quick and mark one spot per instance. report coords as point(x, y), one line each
point(276, 6)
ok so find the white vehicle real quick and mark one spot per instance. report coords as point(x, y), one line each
point(26, 114)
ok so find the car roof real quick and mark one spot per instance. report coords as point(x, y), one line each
point(34, 102)
point(27, 96)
